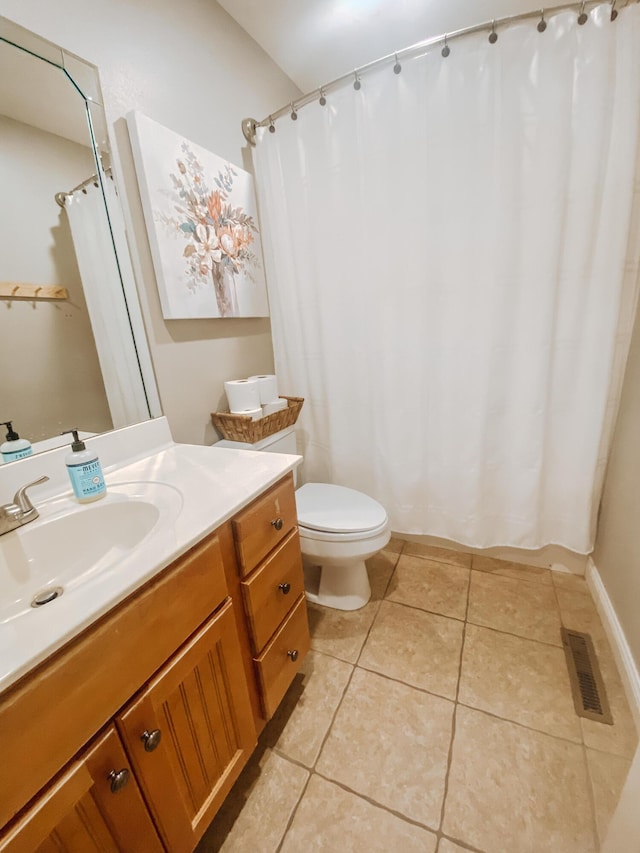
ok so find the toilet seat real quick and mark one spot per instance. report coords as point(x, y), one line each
point(337, 513)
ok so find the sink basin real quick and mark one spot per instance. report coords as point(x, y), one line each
point(72, 544)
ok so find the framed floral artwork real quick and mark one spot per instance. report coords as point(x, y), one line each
point(201, 219)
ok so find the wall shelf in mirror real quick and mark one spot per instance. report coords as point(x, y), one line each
point(17, 290)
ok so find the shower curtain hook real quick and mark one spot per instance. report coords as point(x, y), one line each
point(294, 114)
point(272, 127)
point(542, 24)
point(357, 85)
point(323, 99)
point(493, 35)
point(582, 17)
point(614, 11)
point(397, 68)
point(446, 50)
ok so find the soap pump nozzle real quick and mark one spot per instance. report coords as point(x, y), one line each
point(76, 444)
point(12, 435)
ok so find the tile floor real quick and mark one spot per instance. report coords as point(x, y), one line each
point(437, 718)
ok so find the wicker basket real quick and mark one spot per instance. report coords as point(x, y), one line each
point(244, 428)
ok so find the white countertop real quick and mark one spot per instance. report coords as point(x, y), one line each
point(213, 484)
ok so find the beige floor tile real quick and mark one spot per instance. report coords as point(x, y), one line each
point(512, 789)
point(438, 587)
point(330, 818)
point(520, 680)
point(256, 812)
point(578, 611)
point(395, 544)
point(440, 555)
point(508, 569)
point(419, 648)
point(565, 580)
point(608, 774)
point(305, 714)
point(526, 608)
point(447, 846)
point(342, 633)
point(390, 743)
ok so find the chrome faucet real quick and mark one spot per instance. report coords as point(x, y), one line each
point(21, 511)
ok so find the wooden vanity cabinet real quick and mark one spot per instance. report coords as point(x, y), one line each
point(190, 732)
point(94, 805)
point(270, 563)
point(170, 686)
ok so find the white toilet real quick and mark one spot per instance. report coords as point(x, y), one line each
point(339, 529)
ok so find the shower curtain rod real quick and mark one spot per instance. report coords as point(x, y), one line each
point(62, 197)
point(249, 125)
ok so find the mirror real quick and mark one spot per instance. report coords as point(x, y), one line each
point(68, 306)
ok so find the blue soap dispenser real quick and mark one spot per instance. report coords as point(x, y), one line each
point(14, 447)
point(85, 471)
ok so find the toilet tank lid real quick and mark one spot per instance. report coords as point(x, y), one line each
point(324, 506)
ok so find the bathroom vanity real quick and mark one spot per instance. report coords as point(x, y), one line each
point(129, 736)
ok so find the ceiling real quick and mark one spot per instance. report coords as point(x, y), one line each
point(314, 41)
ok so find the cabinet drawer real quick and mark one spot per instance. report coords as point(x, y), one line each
point(264, 523)
point(282, 658)
point(273, 589)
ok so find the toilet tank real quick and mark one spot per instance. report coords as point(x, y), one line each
point(280, 442)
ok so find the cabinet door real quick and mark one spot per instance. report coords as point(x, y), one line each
point(95, 805)
point(191, 731)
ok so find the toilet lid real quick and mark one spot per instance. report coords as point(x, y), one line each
point(323, 506)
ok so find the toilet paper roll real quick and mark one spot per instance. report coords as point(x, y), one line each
point(255, 414)
point(242, 394)
point(268, 387)
point(276, 406)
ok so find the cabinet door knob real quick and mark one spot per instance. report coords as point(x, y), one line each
point(119, 779)
point(151, 739)
point(277, 523)
point(293, 654)
point(285, 588)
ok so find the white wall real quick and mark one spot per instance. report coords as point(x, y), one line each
point(617, 551)
point(189, 66)
point(44, 388)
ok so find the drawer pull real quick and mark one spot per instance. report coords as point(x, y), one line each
point(277, 523)
point(151, 739)
point(293, 654)
point(285, 588)
point(119, 779)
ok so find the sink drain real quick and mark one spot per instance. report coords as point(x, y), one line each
point(46, 596)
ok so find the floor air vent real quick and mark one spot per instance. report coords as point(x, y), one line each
point(589, 695)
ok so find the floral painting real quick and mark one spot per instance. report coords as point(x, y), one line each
point(202, 226)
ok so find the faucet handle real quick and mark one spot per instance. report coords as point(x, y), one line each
point(21, 498)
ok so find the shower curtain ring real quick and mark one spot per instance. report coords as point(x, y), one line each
point(272, 127)
point(397, 68)
point(357, 85)
point(294, 114)
point(542, 24)
point(493, 35)
point(614, 11)
point(446, 50)
point(323, 99)
point(582, 17)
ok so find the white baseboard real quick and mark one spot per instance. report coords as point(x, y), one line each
point(615, 634)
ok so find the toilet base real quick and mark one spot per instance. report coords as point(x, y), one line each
point(342, 587)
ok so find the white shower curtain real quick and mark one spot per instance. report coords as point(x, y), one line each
point(452, 279)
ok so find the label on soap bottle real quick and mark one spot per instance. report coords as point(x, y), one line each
point(86, 479)
point(17, 454)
